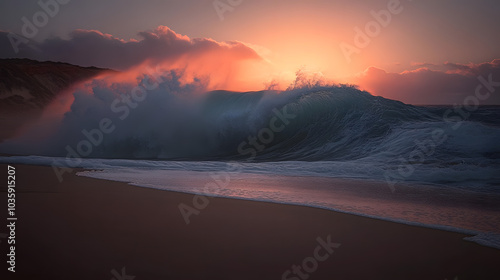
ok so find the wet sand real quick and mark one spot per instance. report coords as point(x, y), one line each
point(85, 228)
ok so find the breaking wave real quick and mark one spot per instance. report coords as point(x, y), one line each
point(179, 121)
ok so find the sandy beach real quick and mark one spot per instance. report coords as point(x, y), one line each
point(249, 140)
point(84, 228)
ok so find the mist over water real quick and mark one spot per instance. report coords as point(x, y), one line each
point(169, 117)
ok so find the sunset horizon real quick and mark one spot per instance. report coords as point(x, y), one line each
point(238, 139)
point(377, 48)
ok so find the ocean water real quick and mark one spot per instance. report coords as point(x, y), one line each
point(331, 147)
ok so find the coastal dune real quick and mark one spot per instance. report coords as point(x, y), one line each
point(85, 228)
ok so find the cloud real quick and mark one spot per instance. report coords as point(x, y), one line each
point(94, 48)
point(471, 68)
point(230, 65)
point(425, 86)
point(422, 64)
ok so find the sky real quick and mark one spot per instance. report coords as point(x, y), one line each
point(415, 51)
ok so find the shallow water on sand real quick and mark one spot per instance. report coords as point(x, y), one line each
point(439, 207)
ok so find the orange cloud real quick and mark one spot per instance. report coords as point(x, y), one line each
point(425, 86)
point(224, 64)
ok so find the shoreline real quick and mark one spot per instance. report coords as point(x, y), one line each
point(476, 236)
point(344, 192)
point(399, 221)
point(486, 237)
point(84, 228)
